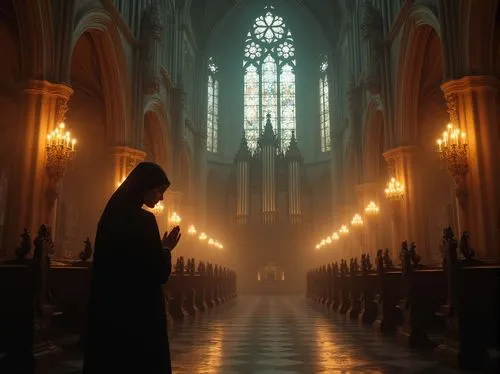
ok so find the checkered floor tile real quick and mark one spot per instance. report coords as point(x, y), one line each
point(287, 335)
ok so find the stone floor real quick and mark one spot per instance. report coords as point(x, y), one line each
point(278, 334)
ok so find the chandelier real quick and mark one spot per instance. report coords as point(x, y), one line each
point(394, 190)
point(60, 152)
point(452, 147)
point(372, 209)
point(203, 236)
point(335, 236)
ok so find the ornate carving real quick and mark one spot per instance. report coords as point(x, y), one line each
point(371, 21)
point(153, 20)
point(61, 109)
point(452, 104)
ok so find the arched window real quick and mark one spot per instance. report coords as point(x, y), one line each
point(212, 106)
point(269, 64)
point(324, 110)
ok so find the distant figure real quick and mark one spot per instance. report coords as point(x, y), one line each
point(127, 329)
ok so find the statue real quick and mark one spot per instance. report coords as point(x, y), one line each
point(201, 268)
point(179, 266)
point(380, 262)
point(87, 251)
point(25, 247)
point(369, 265)
point(414, 257)
point(404, 256)
point(335, 269)
point(465, 248)
point(387, 259)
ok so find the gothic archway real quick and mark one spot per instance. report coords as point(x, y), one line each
point(97, 119)
point(430, 203)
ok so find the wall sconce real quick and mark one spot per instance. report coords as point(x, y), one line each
point(192, 230)
point(60, 152)
point(452, 147)
point(343, 230)
point(372, 210)
point(357, 221)
point(175, 219)
point(394, 190)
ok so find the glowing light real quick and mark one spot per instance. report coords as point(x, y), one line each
point(357, 221)
point(394, 190)
point(372, 209)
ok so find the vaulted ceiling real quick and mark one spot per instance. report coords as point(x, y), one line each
point(206, 14)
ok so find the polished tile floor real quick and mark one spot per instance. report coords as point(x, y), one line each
point(279, 334)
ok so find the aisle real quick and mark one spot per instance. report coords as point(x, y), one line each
point(273, 334)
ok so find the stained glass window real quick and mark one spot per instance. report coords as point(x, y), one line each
point(212, 106)
point(324, 111)
point(269, 65)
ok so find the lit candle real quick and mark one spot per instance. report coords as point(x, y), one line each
point(73, 142)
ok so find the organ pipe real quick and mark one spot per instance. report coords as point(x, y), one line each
point(295, 160)
point(242, 171)
point(268, 146)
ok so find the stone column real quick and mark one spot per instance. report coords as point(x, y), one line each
point(126, 159)
point(473, 105)
point(403, 165)
point(30, 201)
point(367, 192)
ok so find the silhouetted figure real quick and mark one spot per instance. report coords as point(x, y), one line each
point(127, 329)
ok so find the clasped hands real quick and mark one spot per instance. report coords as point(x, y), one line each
point(170, 239)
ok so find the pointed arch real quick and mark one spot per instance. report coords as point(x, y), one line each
point(35, 33)
point(421, 24)
point(113, 66)
point(478, 35)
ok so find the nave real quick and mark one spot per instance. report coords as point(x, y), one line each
point(280, 334)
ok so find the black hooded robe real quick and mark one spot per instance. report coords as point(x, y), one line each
point(127, 329)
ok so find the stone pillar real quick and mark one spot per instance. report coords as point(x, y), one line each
point(473, 105)
point(29, 204)
point(126, 159)
point(403, 165)
point(373, 225)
